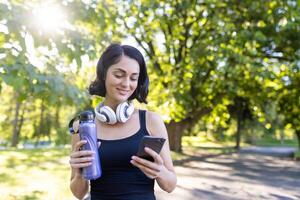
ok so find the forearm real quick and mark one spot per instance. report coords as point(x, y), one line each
point(167, 180)
point(79, 186)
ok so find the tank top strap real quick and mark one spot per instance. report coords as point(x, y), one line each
point(142, 115)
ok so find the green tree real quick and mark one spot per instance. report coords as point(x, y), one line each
point(289, 99)
point(31, 81)
point(203, 52)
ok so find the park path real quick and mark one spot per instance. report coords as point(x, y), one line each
point(246, 175)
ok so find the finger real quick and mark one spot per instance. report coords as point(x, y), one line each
point(149, 172)
point(98, 143)
point(146, 163)
point(81, 165)
point(81, 160)
point(83, 153)
point(79, 145)
point(155, 156)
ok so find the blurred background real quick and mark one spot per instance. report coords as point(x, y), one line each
point(224, 75)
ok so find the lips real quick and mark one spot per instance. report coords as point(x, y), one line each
point(123, 92)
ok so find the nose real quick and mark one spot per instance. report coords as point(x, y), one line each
point(126, 82)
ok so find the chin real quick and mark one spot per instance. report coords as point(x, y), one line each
point(122, 98)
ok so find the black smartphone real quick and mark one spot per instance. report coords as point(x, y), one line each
point(152, 142)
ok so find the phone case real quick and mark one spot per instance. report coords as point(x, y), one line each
point(154, 143)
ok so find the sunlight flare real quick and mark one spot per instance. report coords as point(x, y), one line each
point(49, 17)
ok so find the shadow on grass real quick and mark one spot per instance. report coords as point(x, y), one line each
point(202, 153)
point(40, 158)
point(266, 170)
point(7, 179)
point(223, 173)
point(35, 195)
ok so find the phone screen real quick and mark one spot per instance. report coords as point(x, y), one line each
point(152, 142)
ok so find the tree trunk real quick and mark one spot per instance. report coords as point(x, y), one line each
point(15, 134)
point(242, 112)
point(40, 128)
point(298, 137)
point(238, 132)
point(176, 129)
point(282, 138)
point(41, 124)
point(21, 120)
point(57, 117)
point(175, 133)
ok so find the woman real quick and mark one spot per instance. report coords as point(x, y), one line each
point(122, 77)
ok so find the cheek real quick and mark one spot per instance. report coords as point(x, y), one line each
point(111, 81)
point(134, 85)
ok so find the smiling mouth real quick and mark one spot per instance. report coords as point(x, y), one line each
point(123, 92)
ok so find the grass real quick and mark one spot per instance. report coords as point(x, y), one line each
point(35, 174)
point(197, 146)
point(270, 141)
point(44, 173)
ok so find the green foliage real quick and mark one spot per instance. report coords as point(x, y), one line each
point(35, 65)
point(209, 62)
point(204, 54)
point(289, 98)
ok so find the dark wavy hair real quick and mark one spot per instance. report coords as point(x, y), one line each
point(112, 55)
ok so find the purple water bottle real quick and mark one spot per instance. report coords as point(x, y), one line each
point(87, 131)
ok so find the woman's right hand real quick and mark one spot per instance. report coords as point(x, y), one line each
point(80, 158)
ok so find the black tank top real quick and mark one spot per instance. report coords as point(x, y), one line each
point(120, 179)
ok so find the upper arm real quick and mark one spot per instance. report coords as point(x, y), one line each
point(156, 127)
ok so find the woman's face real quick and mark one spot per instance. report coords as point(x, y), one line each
point(122, 79)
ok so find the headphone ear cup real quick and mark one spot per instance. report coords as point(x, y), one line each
point(100, 117)
point(130, 109)
point(109, 114)
point(124, 111)
point(105, 114)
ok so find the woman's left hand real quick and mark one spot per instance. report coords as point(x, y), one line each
point(151, 169)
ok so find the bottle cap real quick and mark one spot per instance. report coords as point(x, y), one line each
point(86, 116)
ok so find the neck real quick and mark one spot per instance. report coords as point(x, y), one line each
point(112, 104)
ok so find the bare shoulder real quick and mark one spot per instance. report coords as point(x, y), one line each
point(154, 117)
point(155, 124)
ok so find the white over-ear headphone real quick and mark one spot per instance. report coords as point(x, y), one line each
point(107, 115)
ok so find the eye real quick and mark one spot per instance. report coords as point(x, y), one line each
point(134, 79)
point(118, 75)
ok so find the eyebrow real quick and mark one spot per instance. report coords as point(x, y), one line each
point(123, 71)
